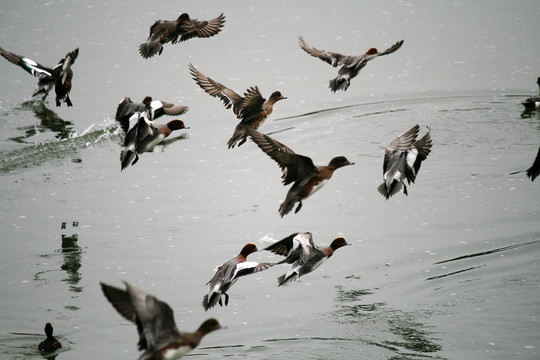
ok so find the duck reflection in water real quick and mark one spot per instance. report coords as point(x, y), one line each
point(72, 253)
point(50, 121)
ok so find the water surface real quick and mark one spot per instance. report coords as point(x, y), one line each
point(448, 272)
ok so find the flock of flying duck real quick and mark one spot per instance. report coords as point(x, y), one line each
point(159, 338)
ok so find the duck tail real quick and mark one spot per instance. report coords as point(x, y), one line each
point(286, 207)
point(209, 303)
point(149, 49)
point(68, 101)
point(393, 189)
point(282, 280)
point(127, 157)
point(239, 134)
point(339, 83)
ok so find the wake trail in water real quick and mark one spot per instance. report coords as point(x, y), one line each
point(489, 252)
point(38, 153)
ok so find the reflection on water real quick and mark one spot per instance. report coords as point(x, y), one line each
point(50, 121)
point(531, 114)
point(72, 259)
point(400, 332)
point(171, 140)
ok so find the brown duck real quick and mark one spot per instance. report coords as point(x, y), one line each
point(251, 108)
point(181, 29)
point(297, 169)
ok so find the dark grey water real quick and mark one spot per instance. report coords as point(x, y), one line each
point(449, 272)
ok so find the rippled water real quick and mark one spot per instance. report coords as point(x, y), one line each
point(449, 272)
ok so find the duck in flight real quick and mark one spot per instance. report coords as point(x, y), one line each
point(300, 251)
point(252, 109)
point(297, 169)
point(159, 337)
point(60, 76)
point(402, 160)
point(181, 29)
point(350, 65)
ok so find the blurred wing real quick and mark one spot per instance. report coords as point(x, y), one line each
point(120, 300)
point(156, 317)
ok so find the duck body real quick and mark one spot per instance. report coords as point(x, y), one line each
point(159, 338)
point(154, 108)
point(60, 77)
point(350, 65)
point(143, 136)
point(296, 169)
point(402, 161)
point(181, 29)
point(252, 108)
point(50, 344)
point(227, 275)
point(305, 257)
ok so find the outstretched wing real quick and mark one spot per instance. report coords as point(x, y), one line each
point(29, 65)
point(329, 57)
point(405, 140)
point(392, 48)
point(172, 109)
point(203, 29)
point(293, 166)
point(215, 89)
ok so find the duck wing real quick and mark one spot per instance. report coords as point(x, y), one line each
point(329, 57)
point(252, 105)
point(64, 65)
point(172, 109)
point(424, 148)
point(250, 267)
point(29, 65)
point(294, 247)
point(391, 49)
point(229, 98)
point(402, 143)
point(294, 167)
point(156, 319)
point(202, 29)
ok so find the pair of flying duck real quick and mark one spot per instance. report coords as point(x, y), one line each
point(137, 121)
point(298, 249)
point(185, 28)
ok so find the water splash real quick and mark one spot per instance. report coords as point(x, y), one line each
point(49, 151)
